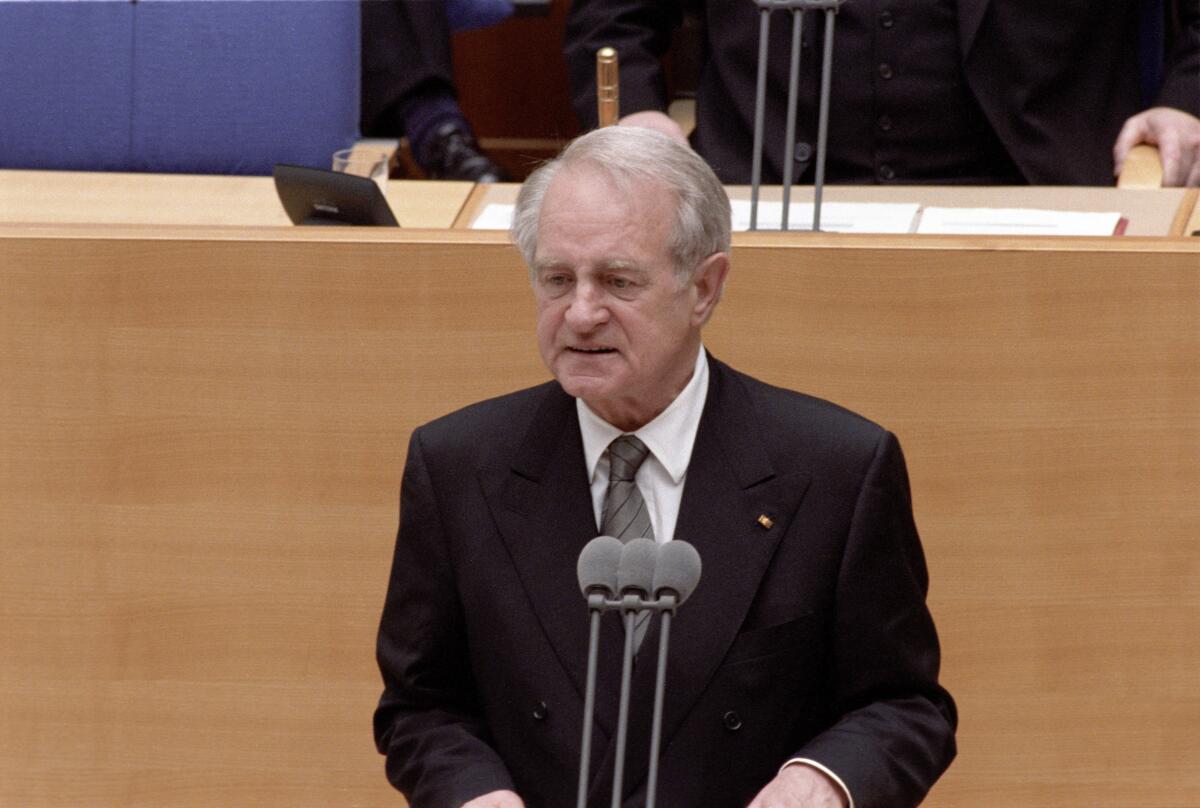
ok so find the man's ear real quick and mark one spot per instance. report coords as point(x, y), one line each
point(708, 281)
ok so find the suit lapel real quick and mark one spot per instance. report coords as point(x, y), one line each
point(542, 507)
point(731, 482)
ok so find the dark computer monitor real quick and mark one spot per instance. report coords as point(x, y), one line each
point(314, 196)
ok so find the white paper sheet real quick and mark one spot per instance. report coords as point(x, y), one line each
point(836, 217)
point(889, 217)
point(494, 217)
point(1017, 222)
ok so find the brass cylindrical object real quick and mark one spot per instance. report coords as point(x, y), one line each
point(607, 86)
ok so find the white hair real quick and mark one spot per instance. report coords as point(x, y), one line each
point(629, 156)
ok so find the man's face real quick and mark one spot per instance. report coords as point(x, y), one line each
point(615, 326)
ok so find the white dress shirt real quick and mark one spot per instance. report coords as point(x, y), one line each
point(669, 437)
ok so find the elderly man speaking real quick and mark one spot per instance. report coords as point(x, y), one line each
point(803, 670)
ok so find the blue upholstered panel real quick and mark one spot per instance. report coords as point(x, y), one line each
point(467, 15)
point(235, 86)
point(65, 73)
point(205, 86)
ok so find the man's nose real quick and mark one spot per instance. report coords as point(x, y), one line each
point(587, 310)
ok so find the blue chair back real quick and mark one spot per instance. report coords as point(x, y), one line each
point(193, 86)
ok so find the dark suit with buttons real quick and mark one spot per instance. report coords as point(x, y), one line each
point(948, 91)
point(807, 638)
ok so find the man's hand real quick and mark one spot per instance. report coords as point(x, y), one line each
point(658, 121)
point(1177, 135)
point(800, 786)
point(496, 799)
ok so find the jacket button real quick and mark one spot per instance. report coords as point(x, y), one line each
point(732, 721)
point(886, 20)
point(540, 711)
point(803, 152)
point(885, 71)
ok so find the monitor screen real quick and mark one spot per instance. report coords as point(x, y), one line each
point(314, 196)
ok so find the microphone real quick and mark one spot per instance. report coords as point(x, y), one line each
point(636, 578)
point(597, 573)
point(597, 568)
point(675, 578)
point(635, 572)
point(677, 572)
point(635, 584)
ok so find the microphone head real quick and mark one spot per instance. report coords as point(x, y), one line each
point(636, 568)
point(678, 570)
point(597, 565)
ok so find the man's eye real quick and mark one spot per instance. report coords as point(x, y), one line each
point(620, 283)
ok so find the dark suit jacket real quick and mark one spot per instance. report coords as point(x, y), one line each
point(1055, 80)
point(810, 638)
point(405, 55)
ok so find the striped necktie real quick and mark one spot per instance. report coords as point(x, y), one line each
point(625, 514)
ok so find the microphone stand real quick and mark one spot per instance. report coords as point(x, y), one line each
point(666, 603)
point(631, 605)
point(670, 583)
point(798, 9)
point(596, 606)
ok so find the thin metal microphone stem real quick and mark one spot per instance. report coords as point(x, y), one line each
point(660, 684)
point(623, 714)
point(760, 104)
point(789, 143)
point(823, 118)
point(589, 707)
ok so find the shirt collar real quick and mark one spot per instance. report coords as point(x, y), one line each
point(670, 436)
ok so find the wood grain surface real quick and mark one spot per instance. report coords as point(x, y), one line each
point(201, 440)
point(94, 197)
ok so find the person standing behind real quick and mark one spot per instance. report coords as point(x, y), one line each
point(923, 91)
point(408, 89)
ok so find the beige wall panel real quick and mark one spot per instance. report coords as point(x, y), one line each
point(201, 438)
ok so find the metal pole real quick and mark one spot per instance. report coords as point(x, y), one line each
point(589, 707)
point(798, 8)
point(660, 687)
point(823, 118)
point(623, 710)
point(789, 144)
point(760, 103)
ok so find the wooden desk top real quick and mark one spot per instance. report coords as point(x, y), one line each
point(80, 197)
point(76, 197)
point(1152, 212)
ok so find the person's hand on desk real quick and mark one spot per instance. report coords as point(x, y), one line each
point(799, 786)
point(1177, 136)
point(496, 799)
point(658, 121)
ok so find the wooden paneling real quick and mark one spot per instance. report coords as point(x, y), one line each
point(94, 197)
point(201, 439)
